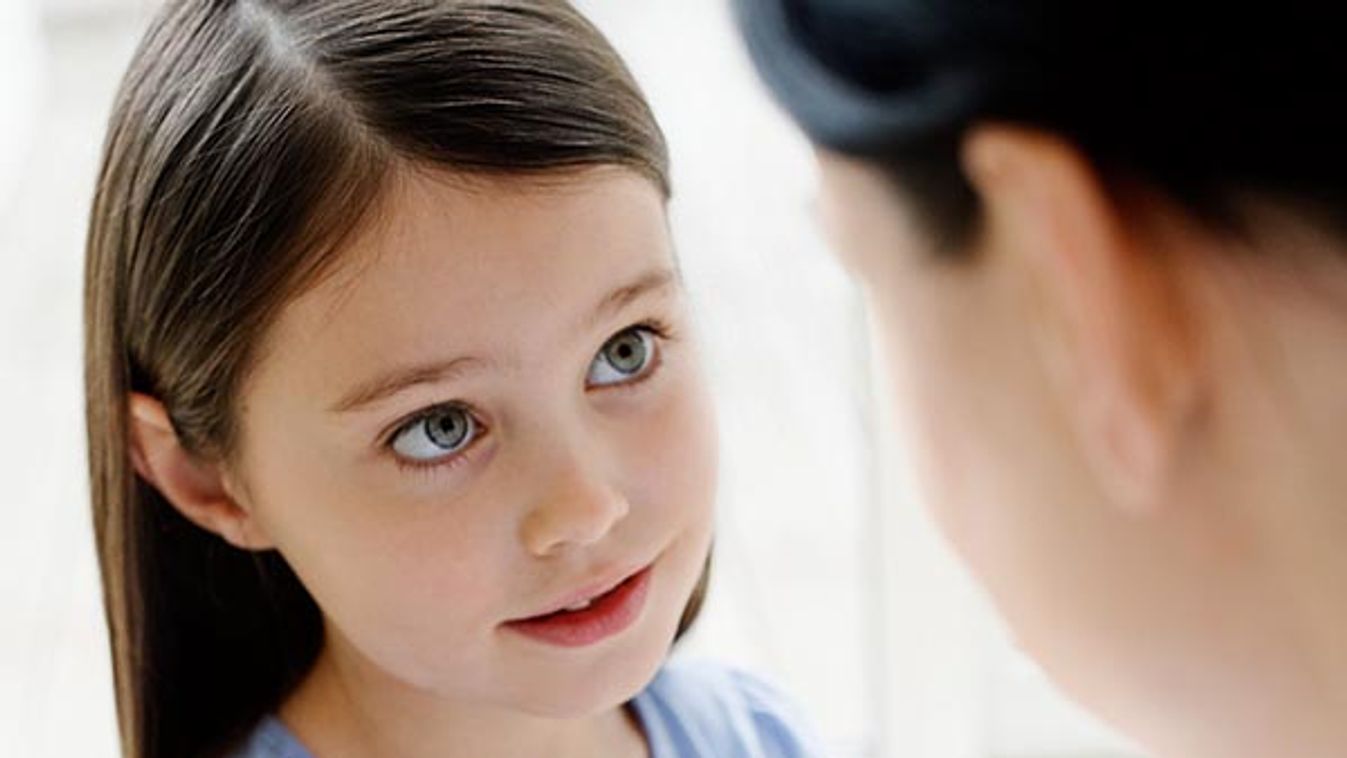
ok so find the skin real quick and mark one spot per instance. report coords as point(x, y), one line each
point(1131, 428)
point(576, 477)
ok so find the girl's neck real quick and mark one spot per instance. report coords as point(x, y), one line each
point(344, 709)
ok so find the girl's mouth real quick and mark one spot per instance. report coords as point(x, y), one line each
point(588, 622)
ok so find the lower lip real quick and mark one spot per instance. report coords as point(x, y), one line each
point(607, 616)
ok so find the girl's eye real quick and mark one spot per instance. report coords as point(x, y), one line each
point(439, 433)
point(625, 357)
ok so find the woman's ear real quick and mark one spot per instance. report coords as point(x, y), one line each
point(198, 489)
point(1106, 301)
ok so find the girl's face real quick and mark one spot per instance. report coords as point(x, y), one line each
point(493, 410)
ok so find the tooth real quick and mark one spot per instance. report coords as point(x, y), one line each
point(579, 606)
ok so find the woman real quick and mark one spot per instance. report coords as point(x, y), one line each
point(1104, 251)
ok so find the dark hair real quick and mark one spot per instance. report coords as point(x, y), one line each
point(249, 138)
point(1205, 102)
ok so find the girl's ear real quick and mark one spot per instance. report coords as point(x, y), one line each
point(1106, 300)
point(198, 489)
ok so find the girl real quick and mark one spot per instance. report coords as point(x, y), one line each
point(398, 437)
point(1105, 250)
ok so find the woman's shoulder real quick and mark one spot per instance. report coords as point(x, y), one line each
point(700, 707)
point(270, 739)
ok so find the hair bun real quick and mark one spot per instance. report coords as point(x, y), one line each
point(863, 76)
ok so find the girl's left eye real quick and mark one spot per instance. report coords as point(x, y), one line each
point(628, 356)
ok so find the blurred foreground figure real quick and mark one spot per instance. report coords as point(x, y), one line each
point(1104, 249)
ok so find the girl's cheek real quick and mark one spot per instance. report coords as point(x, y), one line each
point(683, 454)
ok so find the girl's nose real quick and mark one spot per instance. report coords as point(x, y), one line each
point(577, 507)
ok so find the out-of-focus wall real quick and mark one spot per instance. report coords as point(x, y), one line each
point(20, 80)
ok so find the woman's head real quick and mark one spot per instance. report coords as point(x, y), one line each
point(1104, 254)
point(385, 286)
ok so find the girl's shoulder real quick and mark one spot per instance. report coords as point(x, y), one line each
point(270, 739)
point(703, 708)
point(692, 709)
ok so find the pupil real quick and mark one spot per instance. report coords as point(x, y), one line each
point(628, 354)
point(448, 429)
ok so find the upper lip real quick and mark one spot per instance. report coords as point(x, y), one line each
point(605, 582)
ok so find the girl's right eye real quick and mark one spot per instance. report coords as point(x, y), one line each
point(435, 435)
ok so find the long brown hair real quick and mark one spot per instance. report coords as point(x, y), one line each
point(249, 138)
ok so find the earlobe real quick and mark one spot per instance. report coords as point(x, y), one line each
point(1106, 303)
point(194, 487)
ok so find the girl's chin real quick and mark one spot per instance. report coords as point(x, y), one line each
point(583, 687)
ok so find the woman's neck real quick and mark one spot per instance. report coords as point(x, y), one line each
point(1278, 349)
point(1283, 687)
point(347, 708)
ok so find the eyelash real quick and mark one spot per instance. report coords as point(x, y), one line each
point(662, 332)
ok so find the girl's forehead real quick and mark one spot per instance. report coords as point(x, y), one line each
point(522, 234)
point(484, 260)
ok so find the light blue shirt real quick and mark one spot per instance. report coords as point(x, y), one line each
point(693, 709)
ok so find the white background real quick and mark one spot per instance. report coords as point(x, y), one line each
point(828, 580)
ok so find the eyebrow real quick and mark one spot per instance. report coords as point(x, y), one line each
point(648, 283)
point(394, 382)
